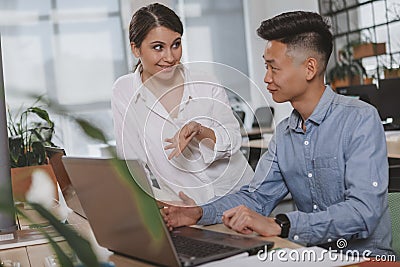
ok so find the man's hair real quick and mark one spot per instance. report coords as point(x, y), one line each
point(300, 29)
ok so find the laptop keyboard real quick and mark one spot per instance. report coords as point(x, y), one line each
point(197, 248)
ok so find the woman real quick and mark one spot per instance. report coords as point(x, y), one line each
point(178, 123)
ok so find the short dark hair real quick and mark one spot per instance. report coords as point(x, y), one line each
point(300, 29)
point(150, 17)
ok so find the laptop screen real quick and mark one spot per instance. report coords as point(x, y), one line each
point(124, 218)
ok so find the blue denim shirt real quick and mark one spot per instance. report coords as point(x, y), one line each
point(336, 172)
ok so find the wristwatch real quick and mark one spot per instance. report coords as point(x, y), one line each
point(283, 221)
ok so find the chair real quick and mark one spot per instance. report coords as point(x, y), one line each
point(394, 209)
point(263, 117)
point(239, 115)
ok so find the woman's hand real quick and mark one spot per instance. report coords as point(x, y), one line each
point(182, 138)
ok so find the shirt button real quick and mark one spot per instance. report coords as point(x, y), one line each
point(306, 143)
point(375, 184)
point(315, 207)
point(309, 175)
point(296, 237)
point(329, 240)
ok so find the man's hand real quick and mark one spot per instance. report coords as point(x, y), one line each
point(182, 138)
point(245, 221)
point(186, 214)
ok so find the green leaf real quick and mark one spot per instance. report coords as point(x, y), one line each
point(38, 153)
point(43, 114)
point(91, 130)
point(16, 149)
point(80, 245)
point(63, 258)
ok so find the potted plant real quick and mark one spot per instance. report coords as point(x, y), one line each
point(343, 75)
point(30, 132)
point(347, 71)
point(391, 69)
point(391, 72)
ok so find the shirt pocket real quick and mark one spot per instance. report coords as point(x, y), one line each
point(328, 181)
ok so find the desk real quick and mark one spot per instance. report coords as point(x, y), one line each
point(393, 148)
point(256, 131)
point(393, 144)
point(256, 143)
point(254, 149)
point(35, 255)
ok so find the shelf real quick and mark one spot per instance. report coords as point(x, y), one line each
point(348, 29)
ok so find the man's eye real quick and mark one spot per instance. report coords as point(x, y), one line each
point(269, 67)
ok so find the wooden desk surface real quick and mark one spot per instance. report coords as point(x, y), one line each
point(393, 148)
point(256, 131)
point(256, 143)
point(35, 255)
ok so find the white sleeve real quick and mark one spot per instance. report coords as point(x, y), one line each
point(226, 129)
point(127, 138)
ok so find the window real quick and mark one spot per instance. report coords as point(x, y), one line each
point(71, 51)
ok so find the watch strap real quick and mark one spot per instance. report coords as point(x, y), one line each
point(283, 221)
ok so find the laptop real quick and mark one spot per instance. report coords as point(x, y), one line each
point(126, 219)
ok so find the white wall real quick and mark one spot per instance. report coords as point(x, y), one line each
point(257, 11)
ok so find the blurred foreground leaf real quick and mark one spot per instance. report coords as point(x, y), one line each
point(80, 245)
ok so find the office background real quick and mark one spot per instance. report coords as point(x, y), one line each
point(73, 51)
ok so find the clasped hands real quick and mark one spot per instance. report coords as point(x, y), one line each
point(182, 138)
point(240, 219)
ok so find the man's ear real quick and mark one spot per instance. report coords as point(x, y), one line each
point(135, 50)
point(311, 68)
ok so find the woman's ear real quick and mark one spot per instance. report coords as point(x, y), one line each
point(135, 50)
point(311, 68)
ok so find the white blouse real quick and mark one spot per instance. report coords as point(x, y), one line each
point(142, 124)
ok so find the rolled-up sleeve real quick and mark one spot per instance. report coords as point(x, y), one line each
point(225, 126)
point(365, 183)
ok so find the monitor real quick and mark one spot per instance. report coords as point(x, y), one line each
point(7, 221)
point(367, 92)
point(389, 106)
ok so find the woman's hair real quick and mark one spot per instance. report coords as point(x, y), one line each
point(150, 17)
point(300, 29)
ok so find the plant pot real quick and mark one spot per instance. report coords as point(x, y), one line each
point(21, 179)
point(368, 50)
point(368, 80)
point(346, 82)
point(392, 73)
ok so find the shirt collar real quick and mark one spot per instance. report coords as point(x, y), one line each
point(149, 99)
point(138, 85)
point(319, 113)
point(140, 92)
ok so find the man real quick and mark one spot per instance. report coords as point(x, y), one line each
point(330, 154)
